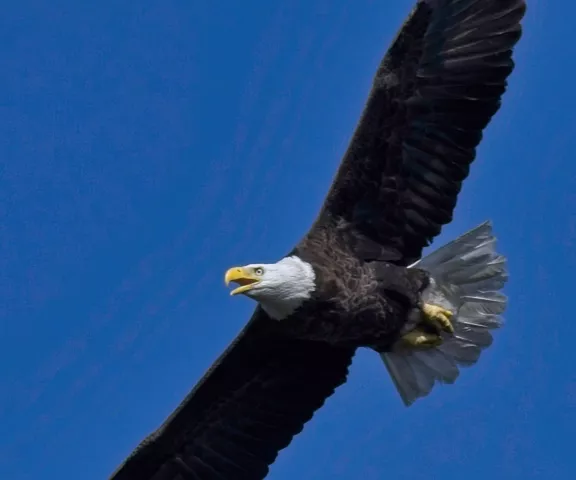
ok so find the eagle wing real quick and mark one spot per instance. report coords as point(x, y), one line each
point(256, 396)
point(434, 92)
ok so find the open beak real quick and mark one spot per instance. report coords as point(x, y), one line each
point(242, 277)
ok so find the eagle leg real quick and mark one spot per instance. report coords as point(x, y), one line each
point(438, 317)
point(420, 339)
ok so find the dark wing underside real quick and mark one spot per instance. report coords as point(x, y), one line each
point(436, 89)
point(248, 406)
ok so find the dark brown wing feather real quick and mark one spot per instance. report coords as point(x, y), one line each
point(248, 406)
point(435, 91)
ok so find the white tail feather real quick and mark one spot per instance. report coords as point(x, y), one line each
point(467, 275)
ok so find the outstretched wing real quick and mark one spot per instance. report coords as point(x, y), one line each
point(436, 89)
point(248, 406)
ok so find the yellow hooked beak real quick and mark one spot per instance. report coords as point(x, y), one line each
point(243, 277)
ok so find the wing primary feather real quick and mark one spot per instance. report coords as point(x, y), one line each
point(436, 89)
point(250, 404)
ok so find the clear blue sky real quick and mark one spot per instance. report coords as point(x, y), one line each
point(147, 146)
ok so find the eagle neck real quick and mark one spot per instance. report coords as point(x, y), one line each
point(297, 289)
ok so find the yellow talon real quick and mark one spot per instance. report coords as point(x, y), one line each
point(419, 339)
point(438, 317)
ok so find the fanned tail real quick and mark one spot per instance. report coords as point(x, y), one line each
point(467, 276)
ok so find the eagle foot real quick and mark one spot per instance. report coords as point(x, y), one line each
point(418, 339)
point(438, 317)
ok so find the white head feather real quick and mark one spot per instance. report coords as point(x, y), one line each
point(283, 286)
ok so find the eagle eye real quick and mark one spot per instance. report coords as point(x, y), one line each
point(259, 271)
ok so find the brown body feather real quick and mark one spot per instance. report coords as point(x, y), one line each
point(357, 303)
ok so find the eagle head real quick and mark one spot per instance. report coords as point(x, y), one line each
point(279, 287)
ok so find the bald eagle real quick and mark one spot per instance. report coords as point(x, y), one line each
point(357, 278)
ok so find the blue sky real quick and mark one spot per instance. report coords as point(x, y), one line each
point(147, 146)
